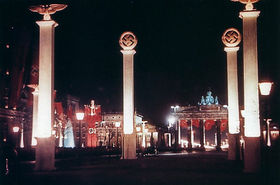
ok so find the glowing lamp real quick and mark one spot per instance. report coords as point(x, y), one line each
point(265, 88)
point(138, 129)
point(175, 107)
point(117, 124)
point(80, 116)
point(171, 120)
point(15, 129)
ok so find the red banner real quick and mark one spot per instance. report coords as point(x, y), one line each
point(209, 124)
point(224, 123)
point(195, 122)
point(92, 115)
point(183, 123)
point(59, 109)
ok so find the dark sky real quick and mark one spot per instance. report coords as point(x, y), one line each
point(179, 53)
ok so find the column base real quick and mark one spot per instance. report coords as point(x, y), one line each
point(45, 154)
point(233, 147)
point(129, 146)
point(252, 156)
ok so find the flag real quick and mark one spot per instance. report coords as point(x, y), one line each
point(195, 122)
point(223, 125)
point(91, 120)
point(183, 123)
point(59, 109)
point(209, 124)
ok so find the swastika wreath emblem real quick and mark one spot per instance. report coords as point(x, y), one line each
point(128, 41)
point(231, 37)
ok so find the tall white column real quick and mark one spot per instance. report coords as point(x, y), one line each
point(231, 38)
point(44, 157)
point(179, 134)
point(251, 94)
point(21, 137)
point(45, 149)
point(128, 41)
point(34, 114)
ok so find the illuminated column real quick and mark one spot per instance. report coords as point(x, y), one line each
point(128, 41)
point(34, 114)
point(45, 149)
point(189, 134)
point(251, 94)
point(231, 38)
point(218, 134)
point(179, 133)
point(21, 137)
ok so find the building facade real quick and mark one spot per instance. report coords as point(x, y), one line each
point(203, 125)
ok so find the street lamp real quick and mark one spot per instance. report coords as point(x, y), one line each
point(80, 117)
point(171, 120)
point(175, 108)
point(265, 89)
point(117, 125)
point(15, 129)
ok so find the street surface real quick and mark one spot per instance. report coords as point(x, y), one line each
point(197, 168)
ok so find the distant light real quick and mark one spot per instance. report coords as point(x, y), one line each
point(7, 73)
point(7, 46)
point(265, 88)
point(171, 120)
point(15, 129)
point(117, 124)
point(138, 129)
point(80, 116)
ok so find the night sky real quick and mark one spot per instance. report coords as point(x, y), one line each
point(178, 58)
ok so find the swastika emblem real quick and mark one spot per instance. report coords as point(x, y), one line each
point(128, 40)
point(35, 70)
point(231, 37)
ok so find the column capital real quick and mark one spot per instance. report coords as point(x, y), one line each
point(253, 13)
point(128, 52)
point(47, 23)
point(231, 49)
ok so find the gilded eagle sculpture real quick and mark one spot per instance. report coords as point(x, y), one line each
point(249, 3)
point(47, 10)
